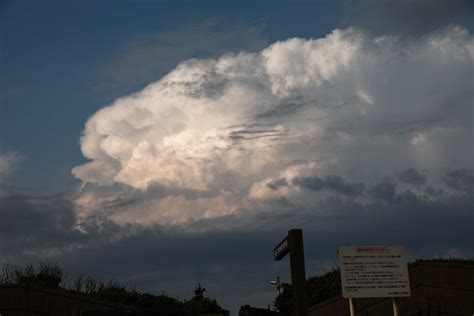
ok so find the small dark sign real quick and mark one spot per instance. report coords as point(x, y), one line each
point(281, 250)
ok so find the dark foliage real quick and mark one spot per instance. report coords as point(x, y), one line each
point(52, 276)
point(46, 274)
point(318, 288)
point(284, 301)
point(323, 287)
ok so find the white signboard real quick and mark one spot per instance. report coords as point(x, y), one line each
point(374, 271)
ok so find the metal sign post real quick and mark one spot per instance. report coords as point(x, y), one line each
point(298, 275)
point(395, 306)
point(293, 244)
point(351, 307)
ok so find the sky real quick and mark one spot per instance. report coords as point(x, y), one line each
point(171, 143)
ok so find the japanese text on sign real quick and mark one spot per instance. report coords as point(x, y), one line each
point(374, 271)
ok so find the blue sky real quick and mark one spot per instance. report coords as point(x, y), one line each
point(210, 128)
point(53, 53)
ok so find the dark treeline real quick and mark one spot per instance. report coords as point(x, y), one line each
point(52, 276)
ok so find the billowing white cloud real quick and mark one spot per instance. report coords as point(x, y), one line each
point(214, 135)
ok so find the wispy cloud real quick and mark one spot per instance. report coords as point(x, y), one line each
point(411, 18)
point(8, 161)
point(145, 58)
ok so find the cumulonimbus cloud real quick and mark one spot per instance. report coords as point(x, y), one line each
point(216, 134)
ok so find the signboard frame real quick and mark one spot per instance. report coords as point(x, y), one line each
point(374, 271)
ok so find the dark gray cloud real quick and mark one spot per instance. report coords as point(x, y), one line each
point(274, 185)
point(244, 133)
point(412, 176)
point(385, 191)
point(289, 108)
point(331, 183)
point(33, 223)
point(430, 191)
point(235, 262)
point(415, 17)
point(461, 180)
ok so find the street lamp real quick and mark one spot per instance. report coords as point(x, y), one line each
point(278, 285)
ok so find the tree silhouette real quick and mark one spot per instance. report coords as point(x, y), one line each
point(199, 293)
point(46, 274)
